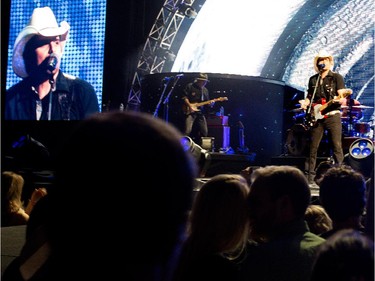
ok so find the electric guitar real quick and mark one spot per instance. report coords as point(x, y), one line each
point(318, 109)
point(194, 106)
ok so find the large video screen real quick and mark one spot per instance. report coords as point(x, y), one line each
point(83, 55)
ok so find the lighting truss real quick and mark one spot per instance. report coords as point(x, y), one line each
point(159, 40)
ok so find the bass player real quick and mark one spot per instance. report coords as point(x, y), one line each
point(325, 94)
point(195, 93)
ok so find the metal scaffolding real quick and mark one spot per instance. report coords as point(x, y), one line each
point(156, 49)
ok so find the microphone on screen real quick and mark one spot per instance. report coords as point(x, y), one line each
point(52, 62)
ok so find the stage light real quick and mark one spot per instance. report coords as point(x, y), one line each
point(361, 156)
point(167, 54)
point(28, 153)
point(201, 155)
point(187, 10)
point(208, 143)
point(191, 13)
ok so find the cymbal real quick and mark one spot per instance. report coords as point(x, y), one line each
point(296, 110)
point(357, 106)
point(349, 117)
point(362, 106)
point(346, 91)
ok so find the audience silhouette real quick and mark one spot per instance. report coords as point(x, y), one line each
point(122, 205)
point(343, 195)
point(369, 218)
point(317, 219)
point(347, 255)
point(321, 169)
point(281, 247)
point(118, 208)
point(217, 231)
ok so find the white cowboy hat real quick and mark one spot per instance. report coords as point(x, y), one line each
point(42, 22)
point(322, 54)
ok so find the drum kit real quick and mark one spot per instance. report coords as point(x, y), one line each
point(352, 124)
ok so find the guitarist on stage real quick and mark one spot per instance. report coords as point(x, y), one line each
point(194, 93)
point(326, 92)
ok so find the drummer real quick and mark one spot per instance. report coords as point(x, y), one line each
point(350, 111)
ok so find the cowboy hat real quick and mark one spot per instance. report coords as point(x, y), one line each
point(322, 54)
point(202, 76)
point(44, 23)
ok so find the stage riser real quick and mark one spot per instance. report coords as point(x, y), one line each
point(298, 162)
point(227, 163)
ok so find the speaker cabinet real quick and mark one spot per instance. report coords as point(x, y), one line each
point(221, 134)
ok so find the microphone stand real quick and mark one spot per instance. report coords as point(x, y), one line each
point(166, 101)
point(166, 82)
point(309, 116)
point(53, 88)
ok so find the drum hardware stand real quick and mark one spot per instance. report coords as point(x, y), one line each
point(350, 123)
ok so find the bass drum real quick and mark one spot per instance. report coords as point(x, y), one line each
point(297, 140)
point(362, 129)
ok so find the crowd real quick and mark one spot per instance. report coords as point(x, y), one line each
point(111, 212)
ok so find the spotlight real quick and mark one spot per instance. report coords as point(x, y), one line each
point(202, 156)
point(166, 54)
point(170, 56)
point(361, 156)
point(30, 153)
point(190, 13)
point(187, 10)
point(208, 143)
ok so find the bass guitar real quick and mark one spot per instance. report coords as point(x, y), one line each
point(194, 106)
point(320, 109)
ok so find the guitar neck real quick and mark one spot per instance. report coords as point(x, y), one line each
point(204, 102)
point(324, 106)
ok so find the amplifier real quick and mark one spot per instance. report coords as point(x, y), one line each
point(221, 135)
point(213, 120)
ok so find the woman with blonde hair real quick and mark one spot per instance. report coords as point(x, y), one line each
point(13, 211)
point(217, 231)
point(318, 219)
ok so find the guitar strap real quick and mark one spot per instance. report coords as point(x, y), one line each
point(309, 119)
point(330, 88)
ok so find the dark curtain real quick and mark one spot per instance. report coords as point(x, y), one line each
point(128, 26)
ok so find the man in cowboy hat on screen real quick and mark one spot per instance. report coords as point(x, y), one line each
point(46, 93)
point(325, 94)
